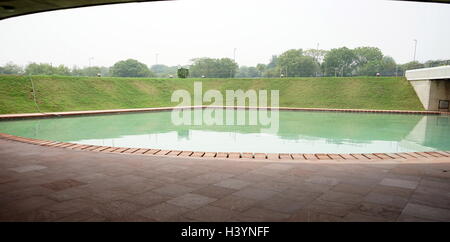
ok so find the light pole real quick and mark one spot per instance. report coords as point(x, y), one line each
point(156, 59)
point(317, 57)
point(234, 60)
point(415, 48)
point(90, 58)
point(317, 53)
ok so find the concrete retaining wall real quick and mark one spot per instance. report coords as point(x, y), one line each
point(431, 86)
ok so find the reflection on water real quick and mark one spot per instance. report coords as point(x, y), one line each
point(299, 132)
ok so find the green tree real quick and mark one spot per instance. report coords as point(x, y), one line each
point(90, 71)
point(408, 66)
point(131, 68)
point(245, 71)
point(388, 66)
point(61, 70)
point(242, 72)
point(46, 69)
point(209, 67)
point(261, 68)
point(271, 69)
point(412, 65)
point(365, 55)
point(39, 69)
point(253, 72)
point(434, 63)
point(11, 69)
point(316, 54)
point(293, 63)
point(105, 71)
point(272, 72)
point(339, 62)
point(163, 70)
point(202, 67)
point(183, 72)
point(273, 62)
point(368, 61)
point(371, 68)
point(227, 67)
point(76, 71)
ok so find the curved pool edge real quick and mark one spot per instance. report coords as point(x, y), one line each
point(231, 155)
point(112, 111)
point(221, 155)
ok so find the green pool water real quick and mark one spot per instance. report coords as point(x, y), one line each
point(298, 132)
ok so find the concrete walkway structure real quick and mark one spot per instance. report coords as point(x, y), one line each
point(41, 183)
point(432, 86)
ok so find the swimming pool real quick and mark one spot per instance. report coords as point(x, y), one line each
point(298, 132)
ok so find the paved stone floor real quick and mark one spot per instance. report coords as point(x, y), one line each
point(53, 184)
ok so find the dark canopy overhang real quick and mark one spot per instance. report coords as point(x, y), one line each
point(13, 8)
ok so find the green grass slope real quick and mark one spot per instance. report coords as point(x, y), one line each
point(61, 93)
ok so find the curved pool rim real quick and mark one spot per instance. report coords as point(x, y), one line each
point(221, 155)
point(112, 111)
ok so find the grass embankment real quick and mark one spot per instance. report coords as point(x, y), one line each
point(61, 93)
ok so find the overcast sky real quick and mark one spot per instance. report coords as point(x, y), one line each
point(181, 30)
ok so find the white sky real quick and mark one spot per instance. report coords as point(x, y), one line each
point(181, 30)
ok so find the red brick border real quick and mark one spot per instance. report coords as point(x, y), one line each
point(222, 155)
point(230, 155)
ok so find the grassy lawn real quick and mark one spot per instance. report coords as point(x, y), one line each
point(62, 93)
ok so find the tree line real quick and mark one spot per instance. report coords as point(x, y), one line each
point(361, 61)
